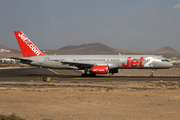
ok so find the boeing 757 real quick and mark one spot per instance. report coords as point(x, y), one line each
point(91, 64)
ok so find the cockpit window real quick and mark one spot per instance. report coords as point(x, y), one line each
point(165, 60)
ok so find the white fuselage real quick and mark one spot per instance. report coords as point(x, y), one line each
point(112, 61)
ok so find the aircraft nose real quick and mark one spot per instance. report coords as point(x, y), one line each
point(170, 65)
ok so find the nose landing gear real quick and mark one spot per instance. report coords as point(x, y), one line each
point(152, 73)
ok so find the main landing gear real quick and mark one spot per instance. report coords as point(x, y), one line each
point(152, 73)
point(85, 74)
point(88, 75)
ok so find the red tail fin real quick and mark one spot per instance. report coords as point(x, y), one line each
point(27, 47)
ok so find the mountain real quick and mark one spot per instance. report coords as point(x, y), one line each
point(11, 53)
point(98, 47)
point(90, 47)
point(166, 50)
point(3, 47)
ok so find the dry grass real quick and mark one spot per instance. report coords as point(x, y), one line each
point(10, 117)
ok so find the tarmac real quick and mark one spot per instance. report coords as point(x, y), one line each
point(37, 74)
point(69, 96)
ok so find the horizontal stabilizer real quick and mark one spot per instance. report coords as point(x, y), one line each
point(21, 59)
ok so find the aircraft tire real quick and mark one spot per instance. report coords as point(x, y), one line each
point(88, 75)
point(92, 75)
point(151, 76)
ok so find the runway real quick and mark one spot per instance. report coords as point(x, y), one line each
point(37, 74)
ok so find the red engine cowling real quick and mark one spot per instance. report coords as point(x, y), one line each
point(100, 69)
point(113, 71)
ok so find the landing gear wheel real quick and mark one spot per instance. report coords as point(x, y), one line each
point(152, 74)
point(88, 75)
point(92, 75)
point(83, 75)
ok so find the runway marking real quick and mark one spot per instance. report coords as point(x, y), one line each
point(94, 78)
point(22, 78)
point(107, 78)
point(114, 78)
point(53, 71)
point(89, 78)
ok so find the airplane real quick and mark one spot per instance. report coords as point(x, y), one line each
point(91, 64)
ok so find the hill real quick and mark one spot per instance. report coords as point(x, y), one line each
point(3, 47)
point(8, 52)
point(166, 50)
point(90, 47)
point(98, 47)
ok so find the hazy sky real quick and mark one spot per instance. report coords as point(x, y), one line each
point(143, 25)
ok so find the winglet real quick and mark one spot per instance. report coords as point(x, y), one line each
point(28, 49)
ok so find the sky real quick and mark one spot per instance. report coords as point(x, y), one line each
point(141, 25)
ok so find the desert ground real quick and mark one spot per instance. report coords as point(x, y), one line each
point(158, 100)
point(93, 100)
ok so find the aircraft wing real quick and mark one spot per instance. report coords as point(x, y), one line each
point(79, 65)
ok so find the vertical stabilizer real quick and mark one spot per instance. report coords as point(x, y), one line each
point(28, 49)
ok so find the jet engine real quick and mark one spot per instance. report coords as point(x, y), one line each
point(100, 69)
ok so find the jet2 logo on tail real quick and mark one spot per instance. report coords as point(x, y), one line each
point(29, 43)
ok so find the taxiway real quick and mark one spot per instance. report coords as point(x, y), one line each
point(37, 74)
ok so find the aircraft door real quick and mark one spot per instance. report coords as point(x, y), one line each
point(40, 60)
point(121, 60)
point(155, 61)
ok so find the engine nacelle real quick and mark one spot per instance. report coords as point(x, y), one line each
point(100, 69)
point(113, 71)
